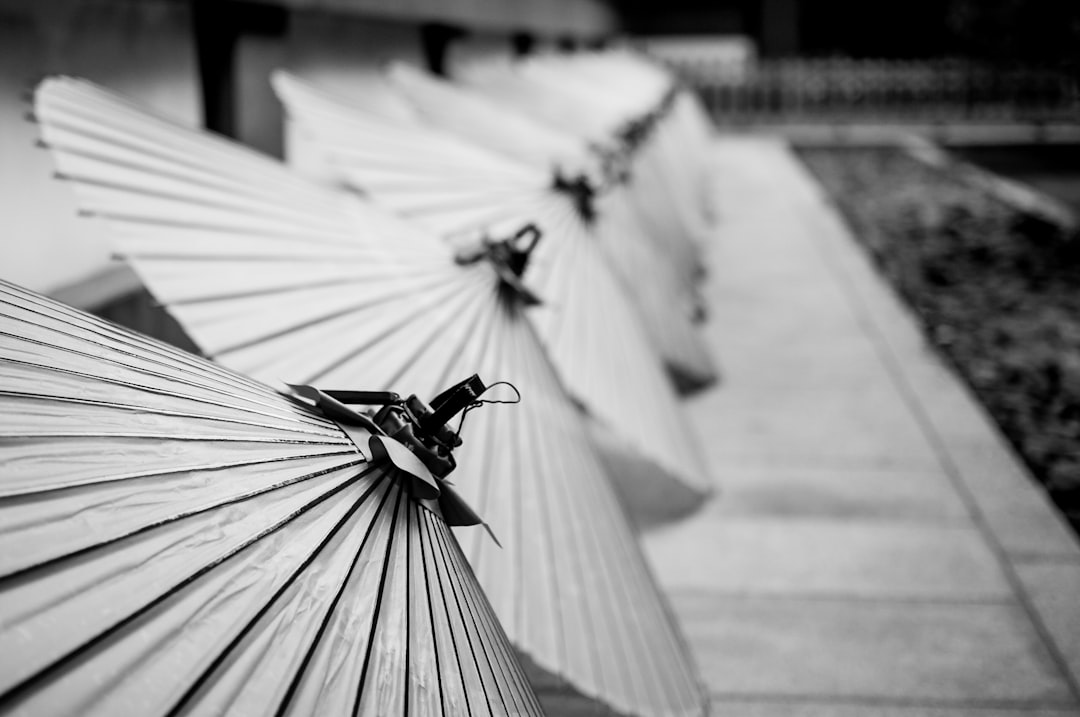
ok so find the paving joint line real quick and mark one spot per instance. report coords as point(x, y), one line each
point(914, 403)
point(676, 591)
point(871, 700)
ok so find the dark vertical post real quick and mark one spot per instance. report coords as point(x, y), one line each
point(435, 39)
point(216, 31)
point(779, 28)
point(523, 43)
point(219, 26)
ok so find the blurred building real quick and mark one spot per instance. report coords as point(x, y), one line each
point(207, 63)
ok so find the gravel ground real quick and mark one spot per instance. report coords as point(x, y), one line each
point(997, 292)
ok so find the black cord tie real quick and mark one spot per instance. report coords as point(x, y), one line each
point(480, 402)
point(581, 191)
point(509, 257)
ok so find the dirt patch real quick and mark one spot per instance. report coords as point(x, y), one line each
point(997, 291)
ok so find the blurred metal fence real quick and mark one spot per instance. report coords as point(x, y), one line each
point(816, 90)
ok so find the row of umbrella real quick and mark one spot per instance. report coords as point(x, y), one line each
point(222, 536)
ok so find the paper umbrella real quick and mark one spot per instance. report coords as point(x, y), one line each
point(605, 193)
point(372, 144)
point(284, 279)
point(625, 122)
point(178, 539)
point(596, 343)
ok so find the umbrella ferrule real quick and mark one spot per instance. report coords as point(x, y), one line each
point(614, 164)
point(509, 257)
point(582, 193)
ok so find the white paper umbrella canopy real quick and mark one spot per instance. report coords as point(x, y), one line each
point(681, 136)
point(178, 539)
point(285, 279)
point(599, 115)
point(660, 297)
point(594, 338)
point(490, 123)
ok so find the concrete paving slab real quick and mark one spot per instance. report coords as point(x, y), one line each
point(760, 317)
point(871, 709)
point(936, 653)
point(1017, 512)
point(848, 361)
point(865, 427)
point(822, 557)
point(882, 495)
point(1054, 590)
point(822, 582)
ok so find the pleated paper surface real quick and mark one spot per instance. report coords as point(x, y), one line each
point(178, 539)
point(289, 281)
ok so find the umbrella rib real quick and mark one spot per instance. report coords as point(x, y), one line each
point(481, 202)
point(454, 585)
point(250, 625)
point(170, 436)
point(16, 691)
point(127, 384)
point(474, 619)
point(443, 579)
point(472, 329)
point(445, 164)
point(409, 508)
point(250, 397)
point(435, 330)
point(178, 198)
point(378, 602)
point(484, 617)
point(206, 225)
point(351, 257)
point(337, 315)
point(254, 293)
point(150, 145)
point(177, 470)
point(422, 528)
point(543, 502)
point(157, 411)
point(152, 351)
point(403, 325)
point(294, 684)
point(23, 573)
point(233, 186)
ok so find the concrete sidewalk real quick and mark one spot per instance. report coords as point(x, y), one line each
point(877, 549)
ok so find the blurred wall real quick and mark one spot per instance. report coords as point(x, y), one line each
point(342, 54)
point(548, 17)
point(147, 49)
point(142, 48)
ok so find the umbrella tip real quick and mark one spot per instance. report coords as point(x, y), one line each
point(492, 534)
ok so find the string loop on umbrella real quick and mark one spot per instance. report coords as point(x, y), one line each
point(480, 402)
point(414, 437)
point(419, 427)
